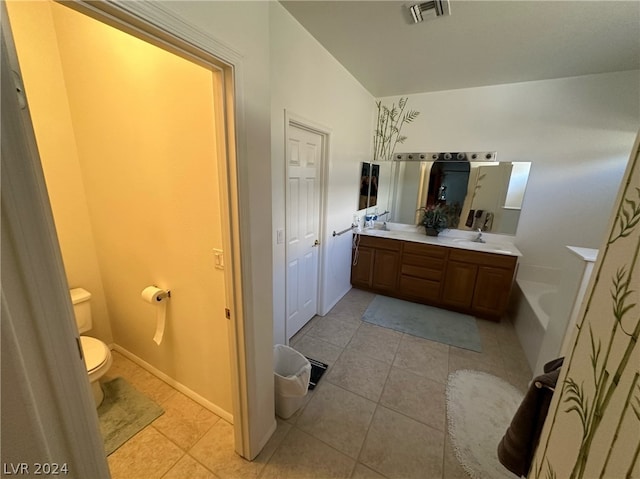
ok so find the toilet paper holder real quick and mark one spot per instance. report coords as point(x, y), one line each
point(164, 294)
point(152, 294)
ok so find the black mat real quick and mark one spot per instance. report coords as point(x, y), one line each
point(317, 370)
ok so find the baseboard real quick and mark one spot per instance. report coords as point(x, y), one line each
point(325, 309)
point(175, 384)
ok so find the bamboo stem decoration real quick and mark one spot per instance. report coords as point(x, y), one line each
point(389, 127)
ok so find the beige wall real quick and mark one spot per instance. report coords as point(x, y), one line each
point(609, 328)
point(36, 42)
point(143, 125)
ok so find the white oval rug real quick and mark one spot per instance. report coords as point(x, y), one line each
point(480, 407)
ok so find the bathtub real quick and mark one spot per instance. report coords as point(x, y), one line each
point(531, 308)
point(539, 297)
point(545, 305)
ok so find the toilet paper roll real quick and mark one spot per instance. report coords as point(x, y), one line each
point(153, 295)
point(157, 297)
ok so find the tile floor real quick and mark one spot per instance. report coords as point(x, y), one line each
point(378, 412)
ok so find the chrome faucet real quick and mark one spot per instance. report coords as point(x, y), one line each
point(478, 239)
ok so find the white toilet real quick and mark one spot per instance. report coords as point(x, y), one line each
point(97, 355)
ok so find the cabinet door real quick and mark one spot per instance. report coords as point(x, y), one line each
point(385, 270)
point(492, 290)
point(361, 272)
point(459, 283)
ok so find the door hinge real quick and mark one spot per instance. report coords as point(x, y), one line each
point(227, 313)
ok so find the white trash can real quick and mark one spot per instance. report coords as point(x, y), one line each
point(291, 371)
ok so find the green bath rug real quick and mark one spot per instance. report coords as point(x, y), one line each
point(123, 413)
point(424, 321)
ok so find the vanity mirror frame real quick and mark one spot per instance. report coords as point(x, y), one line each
point(504, 182)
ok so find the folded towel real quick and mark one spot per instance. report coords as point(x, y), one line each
point(480, 220)
point(488, 222)
point(517, 446)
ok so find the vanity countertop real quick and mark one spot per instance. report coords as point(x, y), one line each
point(449, 238)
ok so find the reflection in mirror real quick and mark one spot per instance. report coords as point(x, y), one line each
point(448, 182)
point(496, 199)
point(480, 194)
point(369, 181)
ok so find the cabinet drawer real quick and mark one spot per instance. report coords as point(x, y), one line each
point(419, 288)
point(423, 261)
point(487, 259)
point(424, 250)
point(433, 274)
point(380, 243)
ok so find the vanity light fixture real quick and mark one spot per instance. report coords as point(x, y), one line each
point(448, 156)
point(431, 9)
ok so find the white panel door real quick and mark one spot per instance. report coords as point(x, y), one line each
point(304, 156)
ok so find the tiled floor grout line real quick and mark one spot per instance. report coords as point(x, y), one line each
point(194, 443)
point(174, 464)
point(365, 441)
point(446, 422)
point(275, 450)
point(378, 405)
point(317, 439)
point(196, 460)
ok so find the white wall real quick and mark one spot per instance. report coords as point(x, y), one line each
point(577, 132)
point(310, 83)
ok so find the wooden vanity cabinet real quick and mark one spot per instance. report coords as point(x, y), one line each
point(471, 282)
point(479, 283)
point(375, 267)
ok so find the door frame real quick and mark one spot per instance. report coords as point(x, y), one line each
point(43, 409)
point(157, 25)
point(294, 120)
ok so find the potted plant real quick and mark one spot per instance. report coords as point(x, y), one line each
point(388, 128)
point(434, 219)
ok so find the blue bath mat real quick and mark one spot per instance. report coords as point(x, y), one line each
point(424, 321)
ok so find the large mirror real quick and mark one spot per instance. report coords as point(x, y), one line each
point(477, 193)
point(369, 185)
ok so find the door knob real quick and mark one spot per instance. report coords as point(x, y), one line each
point(316, 243)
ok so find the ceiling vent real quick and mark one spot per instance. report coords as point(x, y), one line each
point(425, 10)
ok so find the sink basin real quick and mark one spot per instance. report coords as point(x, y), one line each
point(478, 246)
